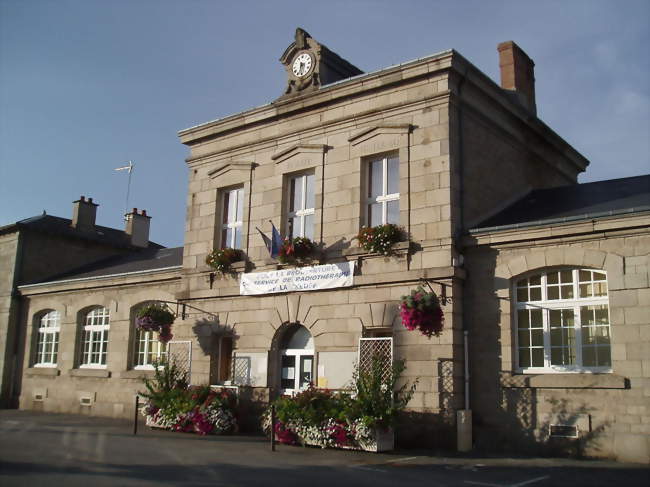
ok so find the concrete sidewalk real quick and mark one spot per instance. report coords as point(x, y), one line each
point(52, 449)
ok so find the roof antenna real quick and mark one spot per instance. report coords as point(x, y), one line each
point(128, 186)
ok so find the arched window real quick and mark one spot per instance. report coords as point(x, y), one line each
point(297, 359)
point(47, 340)
point(96, 324)
point(562, 321)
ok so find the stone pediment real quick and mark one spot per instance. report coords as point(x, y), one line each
point(379, 138)
point(300, 156)
point(234, 172)
point(379, 130)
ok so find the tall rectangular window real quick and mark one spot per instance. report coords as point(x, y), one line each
point(300, 215)
point(95, 338)
point(382, 195)
point(232, 211)
point(47, 346)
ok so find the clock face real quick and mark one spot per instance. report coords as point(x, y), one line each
point(302, 65)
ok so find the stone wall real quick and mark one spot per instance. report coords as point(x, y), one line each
point(112, 388)
point(9, 245)
point(611, 409)
point(336, 153)
point(27, 257)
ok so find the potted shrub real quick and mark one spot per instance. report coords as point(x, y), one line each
point(421, 310)
point(221, 259)
point(172, 404)
point(298, 250)
point(156, 317)
point(361, 418)
point(380, 239)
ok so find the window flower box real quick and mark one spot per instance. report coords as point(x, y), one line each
point(297, 251)
point(397, 249)
point(380, 239)
point(223, 260)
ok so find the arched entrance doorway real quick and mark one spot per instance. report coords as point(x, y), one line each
point(296, 359)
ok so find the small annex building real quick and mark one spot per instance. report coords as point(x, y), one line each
point(544, 281)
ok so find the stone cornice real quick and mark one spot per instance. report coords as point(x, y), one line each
point(329, 94)
point(628, 223)
point(152, 278)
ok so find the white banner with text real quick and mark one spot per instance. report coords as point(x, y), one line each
point(312, 278)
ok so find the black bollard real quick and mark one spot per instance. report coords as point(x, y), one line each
point(135, 415)
point(272, 428)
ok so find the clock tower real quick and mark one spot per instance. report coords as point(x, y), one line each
point(311, 65)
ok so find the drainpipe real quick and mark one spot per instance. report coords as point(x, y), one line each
point(464, 416)
point(466, 347)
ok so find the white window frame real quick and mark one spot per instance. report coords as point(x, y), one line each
point(303, 211)
point(385, 197)
point(232, 222)
point(546, 306)
point(149, 339)
point(49, 327)
point(97, 320)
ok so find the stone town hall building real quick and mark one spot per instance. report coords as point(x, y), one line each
point(547, 278)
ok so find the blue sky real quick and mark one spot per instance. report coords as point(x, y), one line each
point(86, 85)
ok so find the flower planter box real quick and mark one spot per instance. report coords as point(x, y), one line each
point(384, 440)
point(152, 423)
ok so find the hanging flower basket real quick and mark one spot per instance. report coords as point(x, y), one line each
point(156, 317)
point(298, 250)
point(421, 310)
point(380, 239)
point(221, 259)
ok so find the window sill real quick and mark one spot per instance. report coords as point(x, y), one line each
point(359, 251)
point(43, 371)
point(317, 259)
point(136, 374)
point(564, 381)
point(239, 266)
point(102, 373)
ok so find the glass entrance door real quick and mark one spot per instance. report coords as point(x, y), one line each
point(296, 371)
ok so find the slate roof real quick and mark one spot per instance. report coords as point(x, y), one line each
point(143, 260)
point(55, 225)
point(571, 203)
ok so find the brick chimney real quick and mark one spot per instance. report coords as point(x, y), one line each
point(84, 212)
point(137, 226)
point(517, 74)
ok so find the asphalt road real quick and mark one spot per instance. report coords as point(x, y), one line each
point(51, 450)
